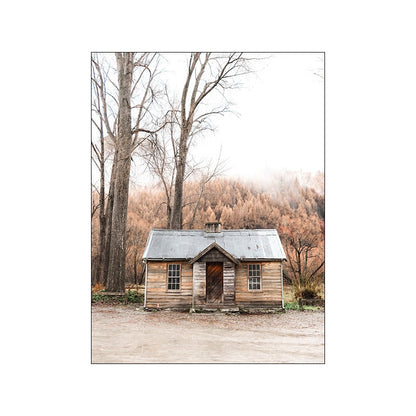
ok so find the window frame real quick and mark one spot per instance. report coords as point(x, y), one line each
point(260, 277)
point(179, 277)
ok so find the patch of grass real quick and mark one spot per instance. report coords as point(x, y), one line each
point(312, 308)
point(130, 297)
point(294, 306)
point(99, 297)
point(134, 297)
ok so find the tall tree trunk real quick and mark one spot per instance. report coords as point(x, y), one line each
point(176, 218)
point(117, 254)
point(135, 267)
point(168, 214)
point(100, 277)
point(142, 274)
point(176, 222)
point(186, 125)
point(109, 220)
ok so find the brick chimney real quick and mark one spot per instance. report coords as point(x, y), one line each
point(212, 227)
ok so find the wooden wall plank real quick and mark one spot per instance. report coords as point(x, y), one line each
point(271, 289)
point(199, 280)
point(235, 285)
point(157, 293)
point(229, 283)
point(214, 256)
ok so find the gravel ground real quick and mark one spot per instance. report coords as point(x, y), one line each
point(122, 334)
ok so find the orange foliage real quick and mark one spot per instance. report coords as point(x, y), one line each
point(97, 287)
point(295, 211)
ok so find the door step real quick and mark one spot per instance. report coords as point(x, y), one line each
point(212, 310)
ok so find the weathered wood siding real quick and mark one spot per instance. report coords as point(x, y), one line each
point(157, 286)
point(229, 283)
point(235, 283)
point(271, 286)
point(200, 281)
point(214, 256)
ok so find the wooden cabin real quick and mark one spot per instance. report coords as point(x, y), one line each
point(213, 269)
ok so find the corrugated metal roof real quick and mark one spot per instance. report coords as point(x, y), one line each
point(186, 244)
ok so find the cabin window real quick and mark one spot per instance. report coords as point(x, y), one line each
point(254, 277)
point(174, 276)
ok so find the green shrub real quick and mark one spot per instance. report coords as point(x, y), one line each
point(134, 297)
point(129, 297)
point(294, 306)
point(99, 297)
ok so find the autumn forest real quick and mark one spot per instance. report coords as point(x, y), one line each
point(294, 207)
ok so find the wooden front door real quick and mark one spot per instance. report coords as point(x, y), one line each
point(214, 283)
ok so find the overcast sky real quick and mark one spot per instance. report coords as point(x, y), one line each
point(277, 121)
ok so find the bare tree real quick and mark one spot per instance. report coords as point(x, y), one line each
point(98, 157)
point(135, 77)
point(117, 249)
point(105, 106)
point(207, 73)
point(124, 111)
point(160, 152)
point(303, 238)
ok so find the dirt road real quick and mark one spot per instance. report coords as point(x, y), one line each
point(122, 334)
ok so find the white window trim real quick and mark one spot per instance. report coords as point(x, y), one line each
point(167, 277)
point(260, 277)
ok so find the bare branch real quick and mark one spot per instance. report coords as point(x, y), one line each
point(101, 89)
